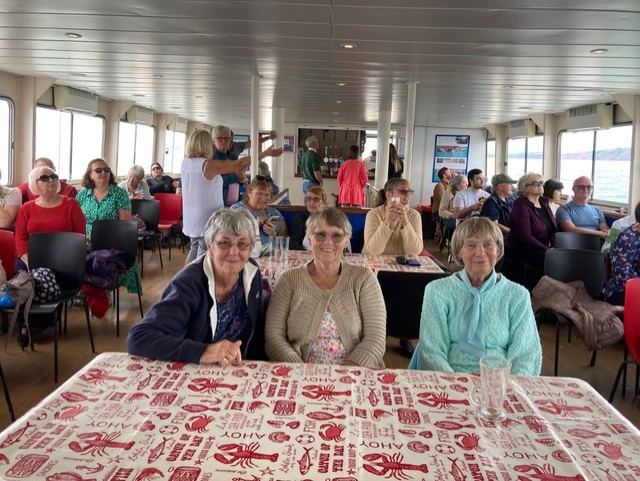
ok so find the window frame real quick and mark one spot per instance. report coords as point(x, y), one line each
point(526, 154)
point(135, 143)
point(8, 175)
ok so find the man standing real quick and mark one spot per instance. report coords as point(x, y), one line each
point(468, 202)
point(310, 165)
point(498, 206)
point(65, 189)
point(441, 187)
point(578, 216)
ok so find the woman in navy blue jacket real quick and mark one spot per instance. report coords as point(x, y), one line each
point(213, 310)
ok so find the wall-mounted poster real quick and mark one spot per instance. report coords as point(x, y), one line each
point(287, 143)
point(451, 151)
point(352, 135)
point(329, 135)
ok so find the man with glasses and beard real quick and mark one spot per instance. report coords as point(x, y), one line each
point(578, 216)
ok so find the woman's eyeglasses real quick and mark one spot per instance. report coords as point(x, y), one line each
point(536, 183)
point(313, 199)
point(404, 191)
point(226, 245)
point(100, 170)
point(336, 238)
point(157, 167)
point(47, 178)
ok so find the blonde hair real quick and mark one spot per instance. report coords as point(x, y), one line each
point(199, 144)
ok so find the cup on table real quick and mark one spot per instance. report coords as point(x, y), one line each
point(273, 246)
point(283, 246)
point(490, 392)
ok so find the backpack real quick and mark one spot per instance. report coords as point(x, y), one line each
point(46, 287)
point(21, 290)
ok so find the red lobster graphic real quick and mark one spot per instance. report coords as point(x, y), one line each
point(326, 393)
point(441, 400)
point(203, 384)
point(97, 443)
point(99, 376)
point(544, 473)
point(243, 455)
point(560, 407)
point(391, 466)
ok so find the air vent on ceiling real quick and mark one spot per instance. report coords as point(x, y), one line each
point(74, 100)
point(178, 125)
point(522, 128)
point(597, 116)
point(140, 115)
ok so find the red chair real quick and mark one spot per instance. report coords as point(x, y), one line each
point(170, 213)
point(631, 332)
point(8, 252)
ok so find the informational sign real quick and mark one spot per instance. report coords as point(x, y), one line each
point(451, 151)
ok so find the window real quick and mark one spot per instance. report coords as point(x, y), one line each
point(135, 147)
point(6, 140)
point(490, 170)
point(602, 155)
point(70, 140)
point(524, 155)
point(174, 144)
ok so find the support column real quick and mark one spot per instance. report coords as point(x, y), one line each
point(411, 120)
point(25, 129)
point(634, 188)
point(112, 134)
point(161, 135)
point(278, 164)
point(501, 148)
point(255, 117)
point(382, 154)
point(550, 153)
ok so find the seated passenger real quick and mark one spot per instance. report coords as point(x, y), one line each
point(135, 185)
point(10, 202)
point(468, 202)
point(314, 200)
point(270, 222)
point(65, 189)
point(49, 212)
point(327, 311)
point(393, 228)
point(458, 183)
point(553, 192)
point(476, 311)
point(578, 216)
point(212, 311)
point(625, 261)
point(159, 183)
point(498, 206)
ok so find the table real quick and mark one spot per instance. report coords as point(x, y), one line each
point(272, 268)
point(128, 418)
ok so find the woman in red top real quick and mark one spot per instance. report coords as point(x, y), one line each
point(51, 212)
point(352, 178)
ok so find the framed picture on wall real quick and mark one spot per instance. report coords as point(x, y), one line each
point(451, 151)
point(352, 135)
point(329, 135)
point(287, 143)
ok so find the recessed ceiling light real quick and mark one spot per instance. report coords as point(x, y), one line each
point(335, 113)
point(598, 51)
point(338, 101)
point(73, 35)
point(435, 116)
point(157, 75)
point(348, 45)
point(342, 84)
point(462, 105)
point(199, 96)
point(506, 87)
point(139, 95)
point(526, 107)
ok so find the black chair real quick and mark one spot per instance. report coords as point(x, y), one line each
point(403, 293)
point(121, 235)
point(5, 388)
point(149, 212)
point(577, 240)
point(568, 265)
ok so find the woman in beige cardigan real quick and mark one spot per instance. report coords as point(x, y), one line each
point(327, 311)
point(393, 228)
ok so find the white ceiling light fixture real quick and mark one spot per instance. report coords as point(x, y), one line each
point(598, 51)
point(348, 46)
point(73, 35)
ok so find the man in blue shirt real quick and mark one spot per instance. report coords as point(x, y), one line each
point(578, 216)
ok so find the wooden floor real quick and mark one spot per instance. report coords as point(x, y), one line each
point(30, 374)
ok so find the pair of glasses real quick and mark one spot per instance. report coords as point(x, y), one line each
point(100, 170)
point(313, 199)
point(223, 139)
point(226, 245)
point(47, 178)
point(404, 191)
point(536, 183)
point(336, 238)
point(156, 168)
point(583, 187)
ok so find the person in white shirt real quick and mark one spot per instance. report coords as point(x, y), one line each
point(468, 202)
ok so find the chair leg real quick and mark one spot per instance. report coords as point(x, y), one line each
point(615, 383)
point(86, 313)
point(141, 250)
point(569, 335)
point(56, 322)
point(139, 297)
point(593, 358)
point(159, 241)
point(6, 395)
point(555, 361)
point(117, 311)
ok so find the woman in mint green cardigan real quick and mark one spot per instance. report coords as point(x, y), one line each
point(477, 311)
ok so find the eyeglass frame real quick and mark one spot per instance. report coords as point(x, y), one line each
point(315, 200)
point(225, 245)
point(321, 237)
point(583, 187)
point(101, 170)
point(540, 183)
point(404, 192)
point(224, 139)
point(48, 177)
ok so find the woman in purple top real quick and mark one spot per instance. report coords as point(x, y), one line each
point(533, 225)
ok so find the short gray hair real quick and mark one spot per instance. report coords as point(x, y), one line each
point(332, 217)
point(477, 226)
point(526, 179)
point(236, 222)
point(218, 129)
point(457, 180)
point(35, 174)
point(44, 160)
point(311, 141)
point(137, 172)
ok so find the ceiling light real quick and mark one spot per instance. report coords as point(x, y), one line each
point(506, 87)
point(342, 84)
point(139, 95)
point(199, 96)
point(73, 35)
point(72, 74)
point(348, 45)
point(462, 105)
point(526, 107)
point(175, 108)
point(338, 101)
point(157, 75)
point(598, 51)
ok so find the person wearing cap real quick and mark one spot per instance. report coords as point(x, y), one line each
point(553, 192)
point(265, 174)
point(498, 206)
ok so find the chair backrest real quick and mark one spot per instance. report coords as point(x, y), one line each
point(403, 293)
point(65, 253)
point(8, 252)
point(567, 265)
point(170, 207)
point(632, 317)
point(116, 234)
point(577, 240)
point(148, 210)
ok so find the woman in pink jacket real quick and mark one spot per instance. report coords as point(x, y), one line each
point(352, 178)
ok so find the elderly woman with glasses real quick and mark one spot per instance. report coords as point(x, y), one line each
point(212, 311)
point(314, 200)
point(327, 311)
point(50, 212)
point(134, 185)
point(159, 183)
point(533, 226)
point(476, 311)
point(393, 228)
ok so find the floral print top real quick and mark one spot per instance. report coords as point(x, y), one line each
point(625, 261)
point(328, 347)
point(115, 200)
point(233, 317)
